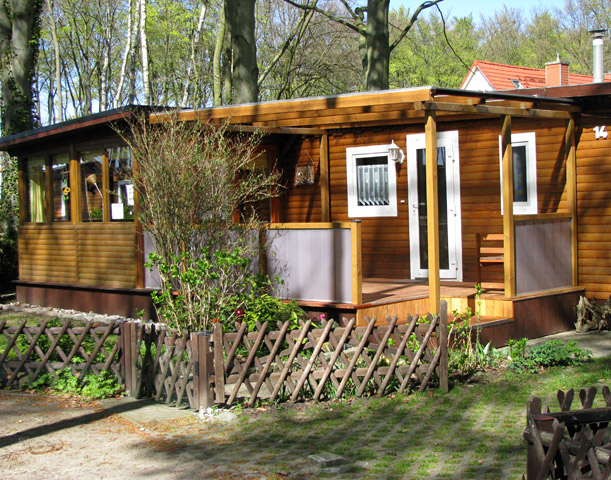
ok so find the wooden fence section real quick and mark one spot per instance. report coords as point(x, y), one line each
point(31, 351)
point(308, 363)
point(569, 444)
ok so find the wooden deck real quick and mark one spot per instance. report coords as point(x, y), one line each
point(501, 318)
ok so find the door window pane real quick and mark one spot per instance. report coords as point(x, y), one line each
point(92, 199)
point(36, 195)
point(61, 188)
point(444, 254)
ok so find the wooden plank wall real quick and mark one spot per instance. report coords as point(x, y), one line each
point(594, 210)
point(481, 188)
point(302, 201)
point(46, 253)
point(385, 246)
point(103, 255)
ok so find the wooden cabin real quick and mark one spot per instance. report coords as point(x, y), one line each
point(366, 225)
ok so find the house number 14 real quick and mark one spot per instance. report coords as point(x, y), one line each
point(600, 132)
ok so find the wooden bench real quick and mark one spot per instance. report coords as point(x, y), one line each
point(488, 251)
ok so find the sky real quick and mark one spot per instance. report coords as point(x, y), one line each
point(462, 8)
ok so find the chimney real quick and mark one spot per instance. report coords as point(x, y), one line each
point(597, 45)
point(556, 73)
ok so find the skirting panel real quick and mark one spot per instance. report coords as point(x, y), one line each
point(124, 302)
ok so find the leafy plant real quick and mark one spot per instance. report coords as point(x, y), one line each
point(549, 354)
point(103, 385)
point(218, 287)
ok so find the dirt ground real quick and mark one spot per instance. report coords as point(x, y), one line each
point(45, 437)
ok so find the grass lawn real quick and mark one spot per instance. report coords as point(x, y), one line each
point(475, 431)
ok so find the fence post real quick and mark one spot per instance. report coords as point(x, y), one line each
point(128, 359)
point(203, 369)
point(443, 344)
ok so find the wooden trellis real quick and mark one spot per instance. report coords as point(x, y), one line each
point(569, 444)
point(308, 363)
point(48, 348)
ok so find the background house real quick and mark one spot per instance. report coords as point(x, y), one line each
point(488, 76)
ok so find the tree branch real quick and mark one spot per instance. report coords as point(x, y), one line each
point(412, 20)
point(346, 23)
point(297, 32)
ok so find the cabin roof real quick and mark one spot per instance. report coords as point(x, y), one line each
point(316, 115)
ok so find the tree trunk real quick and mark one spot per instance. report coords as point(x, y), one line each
point(19, 35)
point(58, 73)
point(129, 42)
point(378, 51)
point(217, 85)
point(192, 67)
point(144, 53)
point(245, 71)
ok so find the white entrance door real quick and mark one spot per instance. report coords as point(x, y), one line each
point(450, 239)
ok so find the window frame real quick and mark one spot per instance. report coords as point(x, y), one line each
point(360, 211)
point(527, 139)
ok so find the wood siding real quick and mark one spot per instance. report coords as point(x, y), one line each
point(594, 211)
point(385, 241)
point(101, 255)
point(302, 201)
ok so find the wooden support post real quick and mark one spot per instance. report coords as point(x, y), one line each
point(22, 176)
point(443, 345)
point(75, 186)
point(325, 197)
point(357, 268)
point(49, 213)
point(571, 194)
point(105, 189)
point(432, 211)
point(508, 221)
point(203, 369)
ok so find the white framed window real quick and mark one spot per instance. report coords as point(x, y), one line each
point(524, 150)
point(372, 182)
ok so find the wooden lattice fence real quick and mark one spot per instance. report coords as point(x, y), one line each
point(312, 362)
point(31, 351)
point(570, 444)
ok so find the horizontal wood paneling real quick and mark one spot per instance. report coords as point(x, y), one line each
point(89, 254)
point(594, 210)
point(47, 253)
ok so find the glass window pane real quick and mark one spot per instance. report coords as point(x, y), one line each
point(520, 183)
point(92, 199)
point(36, 194)
point(372, 184)
point(442, 209)
point(61, 188)
point(121, 188)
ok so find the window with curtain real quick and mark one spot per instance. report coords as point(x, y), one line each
point(61, 191)
point(36, 194)
point(121, 188)
point(92, 197)
point(372, 182)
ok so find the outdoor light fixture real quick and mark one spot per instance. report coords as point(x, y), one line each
point(395, 153)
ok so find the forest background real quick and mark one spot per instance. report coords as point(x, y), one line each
point(97, 55)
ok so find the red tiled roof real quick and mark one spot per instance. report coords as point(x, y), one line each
point(500, 75)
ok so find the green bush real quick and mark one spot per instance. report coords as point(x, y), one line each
point(8, 256)
point(549, 354)
point(94, 387)
point(217, 287)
